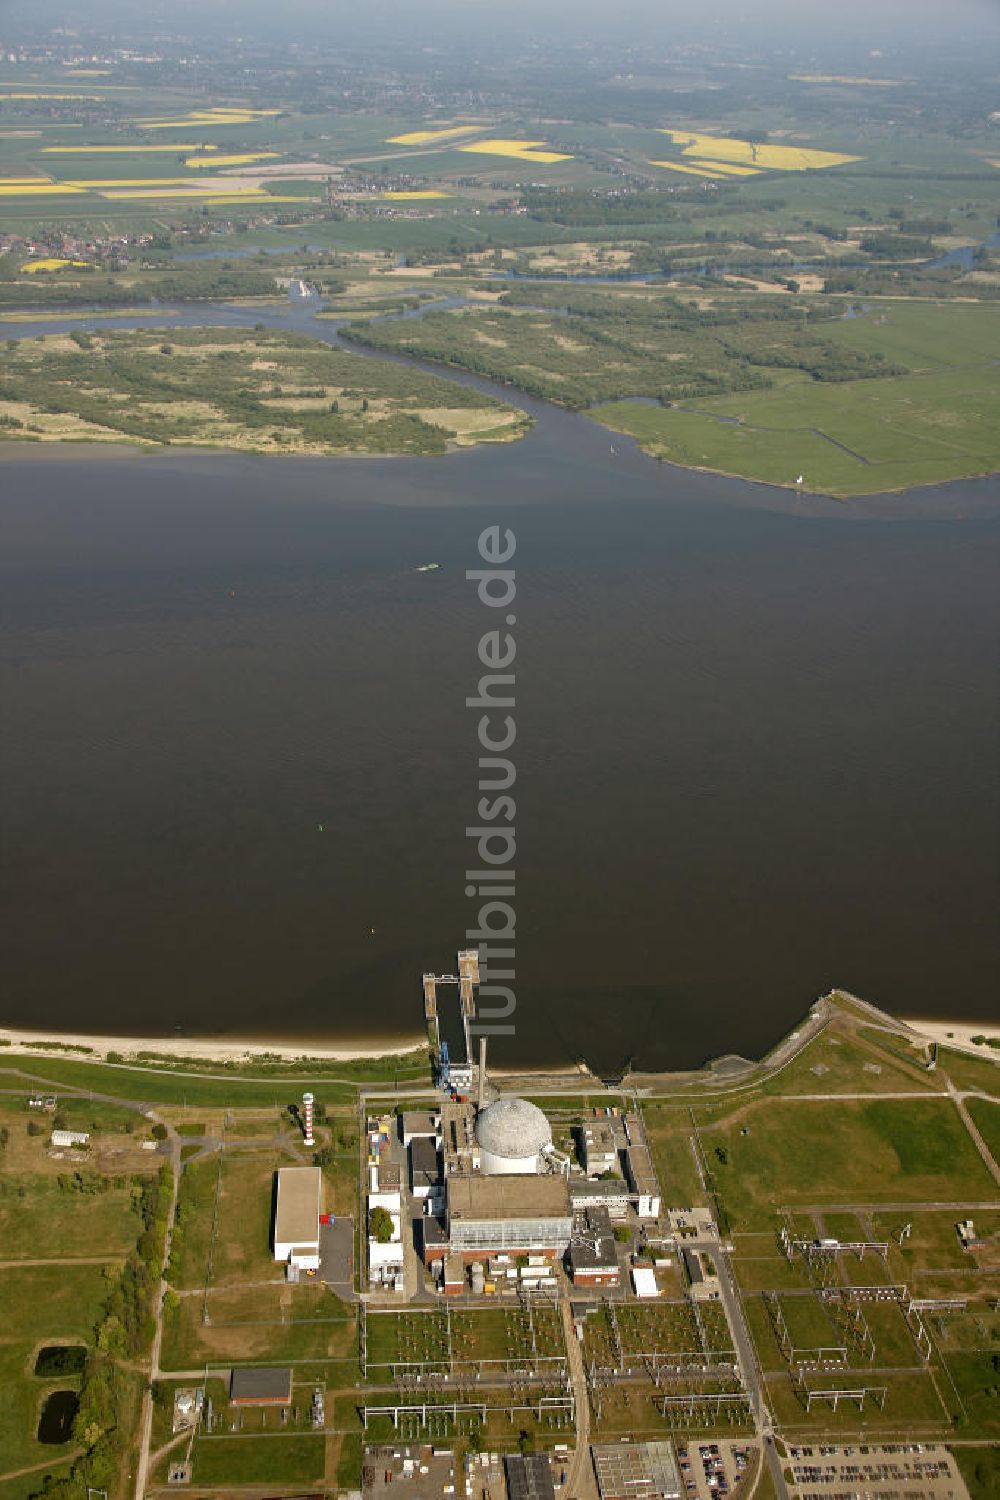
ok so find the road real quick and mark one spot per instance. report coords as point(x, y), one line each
point(146, 1420)
point(578, 1379)
point(746, 1355)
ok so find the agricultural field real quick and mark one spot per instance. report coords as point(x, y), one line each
point(257, 391)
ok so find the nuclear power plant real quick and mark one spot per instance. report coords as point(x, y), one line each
point(487, 1185)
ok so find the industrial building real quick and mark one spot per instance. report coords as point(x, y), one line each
point(636, 1471)
point(592, 1257)
point(514, 1138)
point(261, 1387)
point(485, 1215)
point(639, 1169)
point(598, 1148)
point(529, 1476)
point(296, 1219)
point(425, 1172)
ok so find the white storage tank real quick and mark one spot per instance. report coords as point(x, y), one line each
point(513, 1135)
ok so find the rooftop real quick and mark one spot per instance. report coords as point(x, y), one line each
point(632, 1471)
point(296, 1221)
point(512, 1197)
point(261, 1385)
point(529, 1476)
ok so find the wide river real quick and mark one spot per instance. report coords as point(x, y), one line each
point(757, 743)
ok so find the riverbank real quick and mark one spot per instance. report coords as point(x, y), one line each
point(221, 1049)
point(249, 390)
point(958, 1035)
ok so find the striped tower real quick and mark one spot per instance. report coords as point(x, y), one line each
point(307, 1110)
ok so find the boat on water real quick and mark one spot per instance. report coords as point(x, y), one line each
point(427, 567)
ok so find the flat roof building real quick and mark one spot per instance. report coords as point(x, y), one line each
point(592, 1255)
point(425, 1171)
point(261, 1387)
point(70, 1137)
point(636, 1471)
point(529, 1476)
point(296, 1219)
point(598, 1148)
point(639, 1169)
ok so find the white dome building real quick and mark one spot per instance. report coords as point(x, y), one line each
point(513, 1135)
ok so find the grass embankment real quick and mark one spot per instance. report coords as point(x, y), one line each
point(258, 391)
point(902, 394)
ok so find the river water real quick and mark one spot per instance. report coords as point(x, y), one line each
point(757, 742)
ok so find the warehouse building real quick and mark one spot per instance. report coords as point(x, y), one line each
point(261, 1387)
point(529, 1476)
point(636, 1471)
point(296, 1218)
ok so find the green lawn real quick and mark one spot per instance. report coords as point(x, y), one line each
point(248, 1460)
point(259, 1324)
point(38, 1220)
point(969, 1072)
point(986, 1115)
point(843, 1152)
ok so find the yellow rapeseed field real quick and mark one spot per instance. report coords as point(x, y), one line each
point(719, 149)
point(885, 83)
point(49, 263)
point(700, 171)
point(519, 150)
point(219, 160)
point(36, 189)
point(729, 169)
point(126, 182)
point(176, 146)
point(220, 115)
point(421, 137)
point(80, 98)
point(414, 195)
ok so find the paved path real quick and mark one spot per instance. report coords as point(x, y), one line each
point(68, 1260)
point(958, 1097)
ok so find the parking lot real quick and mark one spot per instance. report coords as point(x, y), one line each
point(712, 1471)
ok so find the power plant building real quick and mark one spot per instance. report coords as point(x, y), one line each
point(514, 1138)
point(490, 1214)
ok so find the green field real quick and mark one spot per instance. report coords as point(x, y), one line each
point(986, 1114)
point(297, 1459)
point(878, 1152)
point(39, 1217)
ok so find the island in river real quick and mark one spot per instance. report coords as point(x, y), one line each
point(258, 390)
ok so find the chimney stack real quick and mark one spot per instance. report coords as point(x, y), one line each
point(307, 1110)
point(482, 1071)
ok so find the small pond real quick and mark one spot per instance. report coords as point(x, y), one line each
point(55, 1423)
point(60, 1359)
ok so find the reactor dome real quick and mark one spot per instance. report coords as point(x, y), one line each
point(512, 1134)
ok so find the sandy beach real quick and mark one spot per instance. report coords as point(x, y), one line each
point(212, 1049)
point(957, 1034)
